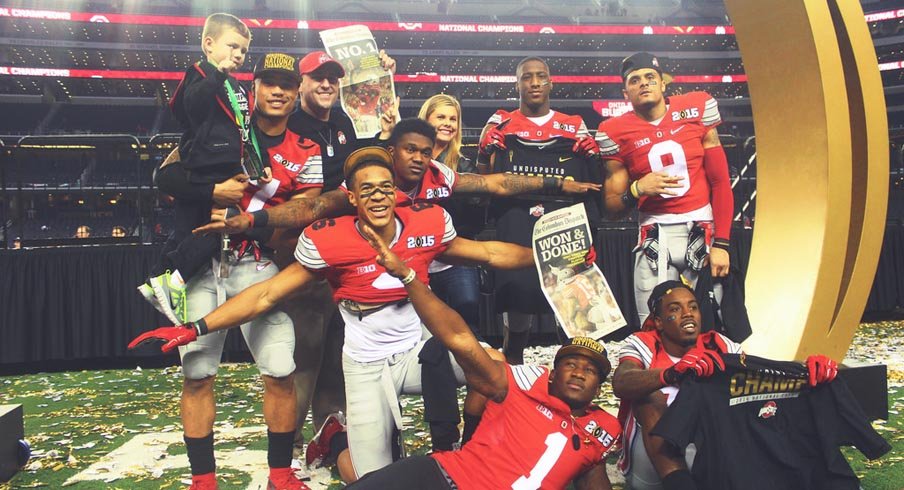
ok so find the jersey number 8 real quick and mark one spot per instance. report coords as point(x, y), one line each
point(669, 156)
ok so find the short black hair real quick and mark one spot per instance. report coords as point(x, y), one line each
point(529, 59)
point(654, 303)
point(412, 125)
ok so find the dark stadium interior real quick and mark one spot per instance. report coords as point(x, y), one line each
point(49, 105)
point(62, 168)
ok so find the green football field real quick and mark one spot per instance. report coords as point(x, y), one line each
point(120, 428)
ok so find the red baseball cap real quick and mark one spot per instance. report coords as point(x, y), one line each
point(314, 61)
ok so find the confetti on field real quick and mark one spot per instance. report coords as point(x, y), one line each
point(81, 421)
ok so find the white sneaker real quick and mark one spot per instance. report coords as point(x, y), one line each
point(169, 289)
point(147, 292)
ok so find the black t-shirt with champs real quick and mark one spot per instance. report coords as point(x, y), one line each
point(519, 290)
point(760, 425)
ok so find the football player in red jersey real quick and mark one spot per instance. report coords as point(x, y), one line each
point(652, 363)
point(540, 428)
point(296, 173)
point(666, 158)
point(383, 332)
point(646, 381)
point(532, 140)
point(417, 177)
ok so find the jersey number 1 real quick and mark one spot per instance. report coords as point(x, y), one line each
point(659, 157)
point(555, 442)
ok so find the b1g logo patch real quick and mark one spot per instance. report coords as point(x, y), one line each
point(686, 114)
point(421, 241)
point(545, 411)
point(365, 269)
point(768, 410)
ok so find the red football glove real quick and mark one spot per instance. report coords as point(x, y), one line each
point(586, 147)
point(171, 336)
point(493, 140)
point(822, 369)
point(700, 361)
point(590, 257)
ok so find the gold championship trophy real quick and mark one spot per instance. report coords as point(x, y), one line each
point(822, 177)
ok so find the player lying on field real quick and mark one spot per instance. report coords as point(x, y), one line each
point(540, 428)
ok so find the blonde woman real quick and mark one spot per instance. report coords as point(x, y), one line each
point(444, 113)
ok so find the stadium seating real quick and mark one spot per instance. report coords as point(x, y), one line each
point(135, 105)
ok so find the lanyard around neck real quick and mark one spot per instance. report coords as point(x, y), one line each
point(243, 121)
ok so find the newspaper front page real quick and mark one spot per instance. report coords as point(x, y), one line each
point(578, 292)
point(367, 90)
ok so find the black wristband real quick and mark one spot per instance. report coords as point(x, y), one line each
point(551, 184)
point(200, 327)
point(721, 243)
point(261, 218)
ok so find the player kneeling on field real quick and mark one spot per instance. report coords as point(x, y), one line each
point(540, 428)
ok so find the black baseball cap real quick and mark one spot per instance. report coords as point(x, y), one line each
point(278, 64)
point(656, 296)
point(589, 348)
point(638, 61)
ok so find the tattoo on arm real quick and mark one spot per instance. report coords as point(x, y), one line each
point(299, 213)
point(501, 184)
point(519, 184)
point(472, 184)
point(711, 139)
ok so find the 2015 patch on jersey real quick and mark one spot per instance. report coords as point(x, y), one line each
point(599, 433)
point(421, 241)
point(436, 193)
point(686, 114)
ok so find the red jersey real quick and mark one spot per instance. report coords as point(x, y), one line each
point(527, 441)
point(296, 166)
point(335, 247)
point(645, 348)
point(674, 144)
point(437, 183)
point(544, 128)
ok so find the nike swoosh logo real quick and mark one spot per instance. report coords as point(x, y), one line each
point(263, 265)
point(679, 128)
point(564, 159)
